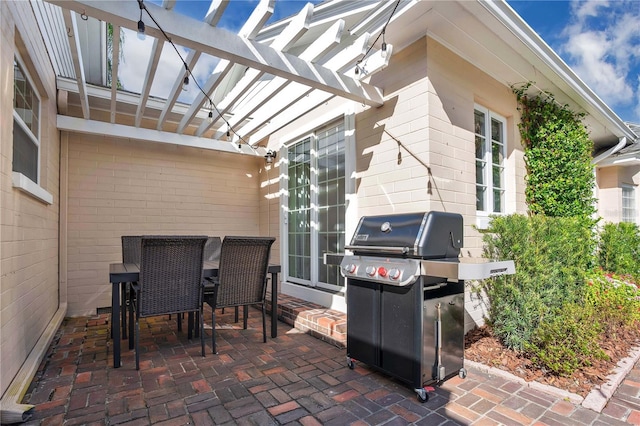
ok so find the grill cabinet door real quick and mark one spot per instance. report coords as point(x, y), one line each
point(401, 332)
point(363, 330)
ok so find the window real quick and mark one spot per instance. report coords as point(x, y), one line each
point(316, 217)
point(26, 125)
point(628, 204)
point(490, 153)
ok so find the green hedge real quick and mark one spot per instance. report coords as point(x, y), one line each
point(551, 256)
point(619, 249)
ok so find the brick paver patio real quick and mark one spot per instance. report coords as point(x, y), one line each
point(293, 379)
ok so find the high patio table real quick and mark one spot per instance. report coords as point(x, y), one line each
point(120, 273)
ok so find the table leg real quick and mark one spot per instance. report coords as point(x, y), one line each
point(274, 304)
point(123, 304)
point(115, 326)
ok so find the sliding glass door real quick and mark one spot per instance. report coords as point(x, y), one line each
point(316, 206)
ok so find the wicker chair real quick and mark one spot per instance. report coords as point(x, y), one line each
point(170, 281)
point(241, 280)
point(130, 254)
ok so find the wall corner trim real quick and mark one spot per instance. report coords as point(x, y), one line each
point(10, 406)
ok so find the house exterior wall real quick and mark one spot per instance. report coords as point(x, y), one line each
point(430, 96)
point(29, 294)
point(429, 109)
point(609, 181)
point(417, 151)
point(127, 187)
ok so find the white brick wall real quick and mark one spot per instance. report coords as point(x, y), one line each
point(432, 115)
point(128, 187)
point(28, 227)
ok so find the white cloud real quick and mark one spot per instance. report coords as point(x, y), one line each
point(603, 44)
point(170, 67)
point(636, 110)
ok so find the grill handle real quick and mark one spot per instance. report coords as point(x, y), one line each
point(401, 250)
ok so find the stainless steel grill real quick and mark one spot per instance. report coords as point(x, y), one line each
point(405, 296)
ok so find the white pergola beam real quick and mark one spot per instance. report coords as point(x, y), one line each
point(100, 128)
point(217, 42)
point(76, 54)
point(115, 62)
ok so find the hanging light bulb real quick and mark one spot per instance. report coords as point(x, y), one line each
point(210, 117)
point(141, 34)
point(185, 82)
point(357, 70)
point(384, 46)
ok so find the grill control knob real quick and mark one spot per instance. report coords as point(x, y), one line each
point(350, 268)
point(382, 271)
point(371, 270)
point(394, 274)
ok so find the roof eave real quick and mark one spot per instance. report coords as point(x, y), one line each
point(511, 20)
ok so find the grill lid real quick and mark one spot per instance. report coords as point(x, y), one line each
point(424, 235)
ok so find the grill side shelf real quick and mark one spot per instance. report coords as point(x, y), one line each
point(466, 268)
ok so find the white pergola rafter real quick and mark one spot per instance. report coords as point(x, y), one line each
point(154, 58)
point(258, 17)
point(76, 55)
point(323, 44)
point(217, 42)
point(114, 73)
point(298, 26)
point(282, 98)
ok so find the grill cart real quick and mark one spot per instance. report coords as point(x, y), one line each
point(405, 296)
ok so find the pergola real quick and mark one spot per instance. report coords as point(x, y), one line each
point(265, 77)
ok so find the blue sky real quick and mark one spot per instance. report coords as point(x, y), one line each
point(598, 39)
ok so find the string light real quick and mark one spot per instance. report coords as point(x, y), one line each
point(383, 52)
point(384, 45)
point(212, 106)
point(141, 28)
point(210, 117)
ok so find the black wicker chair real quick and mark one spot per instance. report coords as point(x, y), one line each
point(241, 280)
point(130, 254)
point(170, 281)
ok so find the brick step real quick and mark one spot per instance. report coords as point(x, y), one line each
point(318, 321)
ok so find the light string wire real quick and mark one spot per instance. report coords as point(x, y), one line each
point(358, 67)
point(211, 103)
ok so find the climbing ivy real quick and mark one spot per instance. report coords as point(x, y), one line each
point(557, 148)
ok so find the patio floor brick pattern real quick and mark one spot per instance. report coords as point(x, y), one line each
point(298, 378)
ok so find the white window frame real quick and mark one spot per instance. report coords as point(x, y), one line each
point(631, 215)
point(321, 296)
point(482, 216)
point(314, 209)
point(19, 180)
